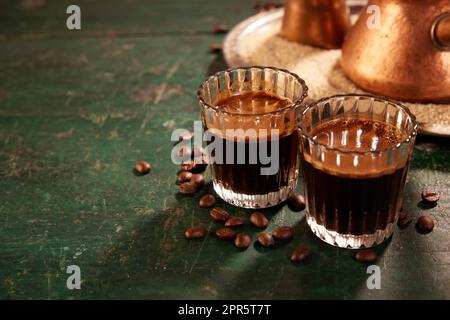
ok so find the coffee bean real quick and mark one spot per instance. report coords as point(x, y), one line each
point(425, 224)
point(195, 232)
point(234, 222)
point(184, 176)
point(215, 48)
point(186, 136)
point(403, 219)
point(142, 167)
point(220, 28)
point(283, 233)
point(296, 202)
point(402, 214)
point(242, 240)
point(265, 239)
point(188, 165)
point(366, 256)
point(219, 214)
point(193, 166)
point(194, 161)
point(430, 196)
point(300, 254)
point(225, 234)
point(207, 201)
point(403, 223)
point(198, 180)
point(259, 220)
point(188, 188)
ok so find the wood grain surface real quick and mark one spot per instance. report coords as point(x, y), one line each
point(78, 108)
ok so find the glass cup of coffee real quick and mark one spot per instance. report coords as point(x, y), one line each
point(250, 117)
point(355, 151)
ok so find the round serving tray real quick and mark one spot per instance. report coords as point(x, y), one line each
point(258, 23)
point(236, 43)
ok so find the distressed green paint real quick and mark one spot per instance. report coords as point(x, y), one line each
point(75, 114)
point(29, 19)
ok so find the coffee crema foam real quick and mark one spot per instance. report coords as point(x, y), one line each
point(251, 102)
point(250, 111)
point(349, 135)
point(358, 134)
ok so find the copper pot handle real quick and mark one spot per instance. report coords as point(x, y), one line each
point(440, 32)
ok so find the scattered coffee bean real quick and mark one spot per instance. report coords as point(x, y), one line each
point(220, 28)
point(186, 136)
point(142, 167)
point(403, 223)
point(403, 219)
point(265, 239)
point(207, 201)
point(194, 161)
point(215, 48)
point(300, 254)
point(225, 234)
point(198, 180)
point(188, 188)
point(296, 202)
point(188, 165)
point(219, 214)
point(366, 256)
point(242, 240)
point(430, 196)
point(234, 222)
point(259, 220)
point(402, 214)
point(184, 176)
point(425, 224)
point(195, 232)
point(283, 233)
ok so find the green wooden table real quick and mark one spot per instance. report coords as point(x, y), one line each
point(78, 108)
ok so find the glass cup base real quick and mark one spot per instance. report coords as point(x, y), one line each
point(254, 201)
point(349, 241)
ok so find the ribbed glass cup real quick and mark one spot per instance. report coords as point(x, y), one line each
point(353, 197)
point(242, 183)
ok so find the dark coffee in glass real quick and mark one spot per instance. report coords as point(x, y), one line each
point(355, 156)
point(246, 178)
point(250, 116)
